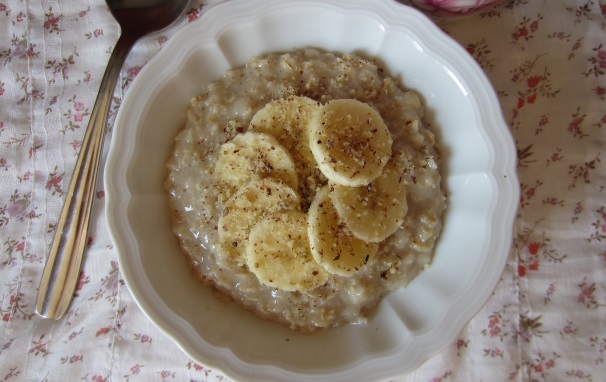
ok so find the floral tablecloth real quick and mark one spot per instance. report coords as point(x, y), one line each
point(546, 320)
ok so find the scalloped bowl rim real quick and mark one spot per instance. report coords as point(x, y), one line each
point(405, 331)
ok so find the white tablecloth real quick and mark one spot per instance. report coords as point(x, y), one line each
point(546, 320)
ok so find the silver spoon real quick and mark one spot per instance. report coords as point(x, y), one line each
point(137, 18)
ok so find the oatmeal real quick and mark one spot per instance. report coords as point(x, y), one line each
point(305, 187)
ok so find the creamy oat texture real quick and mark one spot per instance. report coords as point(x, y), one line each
point(226, 108)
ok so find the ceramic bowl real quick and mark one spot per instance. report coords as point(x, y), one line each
point(410, 324)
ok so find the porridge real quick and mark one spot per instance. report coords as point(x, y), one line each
point(305, 187)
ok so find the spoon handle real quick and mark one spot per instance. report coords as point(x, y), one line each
point(62, 268)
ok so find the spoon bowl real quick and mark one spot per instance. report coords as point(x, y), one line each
point(137, 18)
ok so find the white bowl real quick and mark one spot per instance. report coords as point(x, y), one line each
point(409, 325)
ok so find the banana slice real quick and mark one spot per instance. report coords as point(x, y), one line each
point(278, 253)
point(373, 212)
point(251, 156)
point(289, 120)
point(350, 142)
point(245, 208)
point(332, 245)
